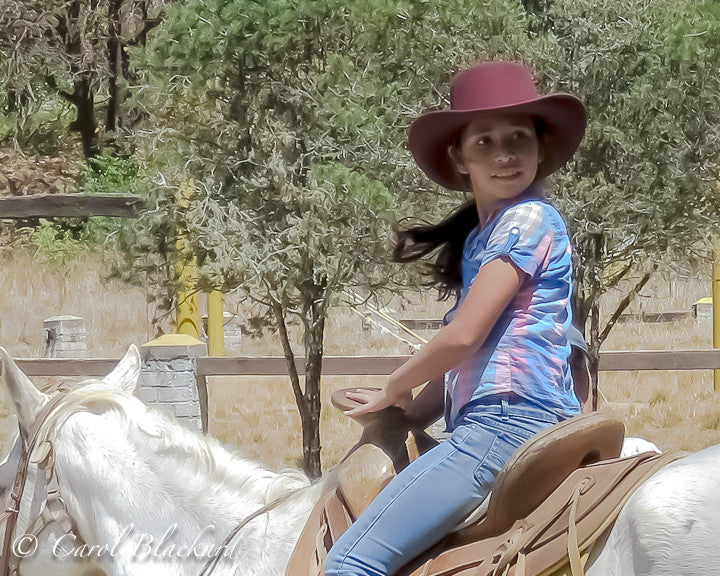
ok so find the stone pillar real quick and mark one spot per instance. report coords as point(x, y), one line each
point(65, 337)
point(233, 333)
point(168, 378)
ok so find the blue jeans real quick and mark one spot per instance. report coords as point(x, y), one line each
point(436, 492)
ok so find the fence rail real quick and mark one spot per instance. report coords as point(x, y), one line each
point(612, 361)
point(70, 205)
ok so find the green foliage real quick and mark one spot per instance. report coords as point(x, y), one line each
point(63, 240)
point(110, 174)
point(257, 99)
point(40, 127)
point(71, 57)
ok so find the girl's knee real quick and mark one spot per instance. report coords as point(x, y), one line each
point(335, 565)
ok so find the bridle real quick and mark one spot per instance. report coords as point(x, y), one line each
point(33, 460)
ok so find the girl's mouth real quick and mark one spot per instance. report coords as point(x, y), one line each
point(509, 175)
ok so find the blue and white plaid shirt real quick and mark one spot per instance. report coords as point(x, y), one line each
point(527, 351)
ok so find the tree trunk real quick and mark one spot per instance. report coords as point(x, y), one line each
point(308, 401)
point(85, 121)
point(314, 335)
point(586, 305)
point(82, 97)
point(594, 346)
point(114, 46)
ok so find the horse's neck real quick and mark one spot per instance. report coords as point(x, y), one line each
point(111, 481)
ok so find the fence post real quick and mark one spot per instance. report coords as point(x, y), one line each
point(716, 310)
point(215, 324)
point(188, 311)
point(169, 379)
point(65, 337)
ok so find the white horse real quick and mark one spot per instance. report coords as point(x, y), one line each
point(148, 496)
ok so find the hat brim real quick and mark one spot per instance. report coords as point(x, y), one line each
point(430, 135)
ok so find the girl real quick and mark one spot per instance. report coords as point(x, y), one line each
point(501, 360)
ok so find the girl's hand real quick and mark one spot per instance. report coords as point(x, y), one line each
point(373, 401)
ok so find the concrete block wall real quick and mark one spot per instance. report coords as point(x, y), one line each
point(168, 378)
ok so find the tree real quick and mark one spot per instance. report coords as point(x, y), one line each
point(74, 50)
point(641, 195)
point(293, 116)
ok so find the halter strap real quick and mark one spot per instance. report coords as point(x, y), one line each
point(10, 515)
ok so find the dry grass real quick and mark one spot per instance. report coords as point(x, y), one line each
point(115, 315)
point(258, 414)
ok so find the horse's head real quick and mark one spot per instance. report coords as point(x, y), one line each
point(129, 475)
point(28, 403)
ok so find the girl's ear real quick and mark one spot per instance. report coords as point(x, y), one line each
point(454, 154)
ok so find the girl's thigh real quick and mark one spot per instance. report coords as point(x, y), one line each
point(422, 504)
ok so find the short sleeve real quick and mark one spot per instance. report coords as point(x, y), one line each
point(523, 234)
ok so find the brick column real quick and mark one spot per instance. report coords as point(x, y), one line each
point(168, 378)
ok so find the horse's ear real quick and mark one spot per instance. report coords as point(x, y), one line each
point(125, 375)
point(28, 400)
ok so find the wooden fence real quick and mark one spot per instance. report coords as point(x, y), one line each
point(614, 361)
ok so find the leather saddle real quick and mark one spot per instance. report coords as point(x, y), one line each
point(553, 498)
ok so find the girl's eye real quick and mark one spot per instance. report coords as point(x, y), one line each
point(520, 135)
point(484, 140)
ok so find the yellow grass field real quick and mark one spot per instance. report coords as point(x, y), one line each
point(676, 410)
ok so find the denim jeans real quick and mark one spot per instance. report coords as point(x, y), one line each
point(437, 491)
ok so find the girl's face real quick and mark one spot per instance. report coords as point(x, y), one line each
point(500, 154)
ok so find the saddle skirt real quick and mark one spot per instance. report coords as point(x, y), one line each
point(555, 496)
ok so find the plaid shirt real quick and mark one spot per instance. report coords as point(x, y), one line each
point(527, 351)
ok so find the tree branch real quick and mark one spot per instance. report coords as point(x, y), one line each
point(289, 356)
point(72, 98)
point(614, 282)
point(140, 36)
point(624, 303)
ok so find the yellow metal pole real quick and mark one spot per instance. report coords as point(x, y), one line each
point(187, 313)
point(216, 339)
point(716, 310)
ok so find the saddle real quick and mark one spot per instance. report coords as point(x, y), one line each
point(555, 496)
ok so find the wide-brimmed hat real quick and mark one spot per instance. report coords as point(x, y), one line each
point(500, 87)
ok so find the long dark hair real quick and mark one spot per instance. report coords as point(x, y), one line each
point(447, 238)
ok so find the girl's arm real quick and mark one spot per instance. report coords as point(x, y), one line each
point(494, 287)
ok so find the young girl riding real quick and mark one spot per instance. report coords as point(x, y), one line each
point(499, 366)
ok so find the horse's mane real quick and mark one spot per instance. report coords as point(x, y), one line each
point(155, 433)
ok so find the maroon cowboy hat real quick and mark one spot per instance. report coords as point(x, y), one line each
point(500, 87)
